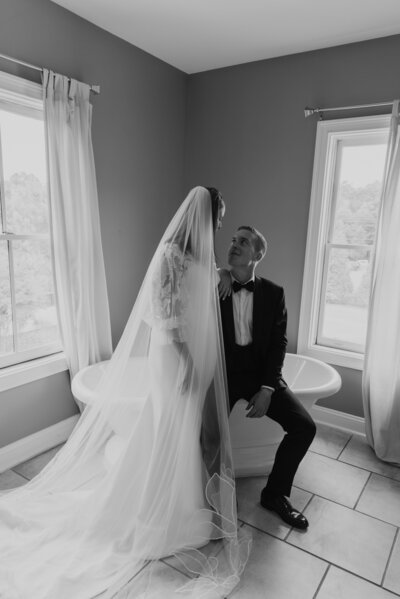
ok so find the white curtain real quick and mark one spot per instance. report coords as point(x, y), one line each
point(78, 255)
point(381, 377)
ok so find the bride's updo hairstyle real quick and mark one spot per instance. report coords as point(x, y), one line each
point(216, 203)
point(186, 228)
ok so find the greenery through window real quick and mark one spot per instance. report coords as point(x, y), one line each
point(349, 249)
point(28, 315)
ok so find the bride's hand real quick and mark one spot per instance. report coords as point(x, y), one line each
point(189, 375)
point(225, 283)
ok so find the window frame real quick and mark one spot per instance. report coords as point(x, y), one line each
point(320, 223)
point(25, 97)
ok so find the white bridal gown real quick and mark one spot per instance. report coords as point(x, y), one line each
point(147, 472)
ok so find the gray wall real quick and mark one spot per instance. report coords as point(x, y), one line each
point(247, 135)
point(138, 138)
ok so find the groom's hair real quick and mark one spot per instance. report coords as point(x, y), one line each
point(260, 243)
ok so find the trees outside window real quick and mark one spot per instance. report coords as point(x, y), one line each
point(28, 314)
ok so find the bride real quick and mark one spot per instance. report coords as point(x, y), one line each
point(147, 472)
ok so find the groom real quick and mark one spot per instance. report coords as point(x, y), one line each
point(254, 328)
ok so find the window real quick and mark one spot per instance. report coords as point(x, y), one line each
point(28, 315)
point(345, 197)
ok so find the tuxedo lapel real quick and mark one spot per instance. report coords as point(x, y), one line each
point(227, 320)
point(258, 306)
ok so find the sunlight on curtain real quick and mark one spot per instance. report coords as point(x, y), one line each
point(78, 255)
point(381, 376)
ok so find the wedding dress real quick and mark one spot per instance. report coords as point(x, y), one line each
point(147, 472)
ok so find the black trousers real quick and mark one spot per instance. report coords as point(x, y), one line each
point(285, 408)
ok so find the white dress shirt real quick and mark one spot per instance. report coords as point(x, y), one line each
point(242, 303)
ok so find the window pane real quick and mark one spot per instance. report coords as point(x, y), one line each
point(359, 170)
point(6, 332)
point(345, 305)
point(24, 171)
point(35, 298)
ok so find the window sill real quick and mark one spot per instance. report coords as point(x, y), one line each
point(336, 357)
point(27, 372)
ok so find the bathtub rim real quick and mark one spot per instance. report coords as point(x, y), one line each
point(86, 394)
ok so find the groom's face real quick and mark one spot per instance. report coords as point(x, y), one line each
point(242, 251)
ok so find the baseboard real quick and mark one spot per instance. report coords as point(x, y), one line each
point(15, 453)
point(340, 420)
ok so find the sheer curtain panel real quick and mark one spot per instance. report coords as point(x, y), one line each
point(78, 255)
point(381, 376)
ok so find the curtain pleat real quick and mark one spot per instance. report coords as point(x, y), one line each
point(78, 255)
point(381, 376)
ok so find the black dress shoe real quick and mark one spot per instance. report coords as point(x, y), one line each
point(282, 506)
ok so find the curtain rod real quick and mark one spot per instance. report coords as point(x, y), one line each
point(93, 88)
point(310, 111)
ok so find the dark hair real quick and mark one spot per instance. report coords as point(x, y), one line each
point(260, 243)
point(216, 203)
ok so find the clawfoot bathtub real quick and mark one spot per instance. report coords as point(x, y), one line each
point(254, 440)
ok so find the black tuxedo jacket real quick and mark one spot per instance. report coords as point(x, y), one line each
point(269, 331)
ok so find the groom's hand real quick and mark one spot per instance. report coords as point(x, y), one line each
point(259, 403)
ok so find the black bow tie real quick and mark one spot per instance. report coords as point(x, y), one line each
point(236, 286)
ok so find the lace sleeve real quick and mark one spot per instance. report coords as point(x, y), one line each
point(169, 293)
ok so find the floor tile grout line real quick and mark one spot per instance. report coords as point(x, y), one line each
point(345, 445)
point(376, 518)
point(322, 454)
point(362, 491)
point(333, 501)
point(347, 507)
point(19, 474)
point(321, 582)
point(336, 457)
point(308, 503)
point(309, 552)
point(175, 568)
point(137, 574)
point(322, 559)
point(292, 545)
point(328, 457)
point(346, 464)
point(372, 471)
point(375, 584)
point(396, 536)
point(264, 531)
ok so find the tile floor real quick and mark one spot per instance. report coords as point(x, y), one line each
point(352, 547)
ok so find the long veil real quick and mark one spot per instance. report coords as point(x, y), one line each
point(147, 472)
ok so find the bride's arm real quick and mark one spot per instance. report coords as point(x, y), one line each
point(188, 365)
point(169, 309)
point(225, 283)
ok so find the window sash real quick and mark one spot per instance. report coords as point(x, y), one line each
point(24, 98)
point(361, 130)
point(17, 356)
point(322, 339)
